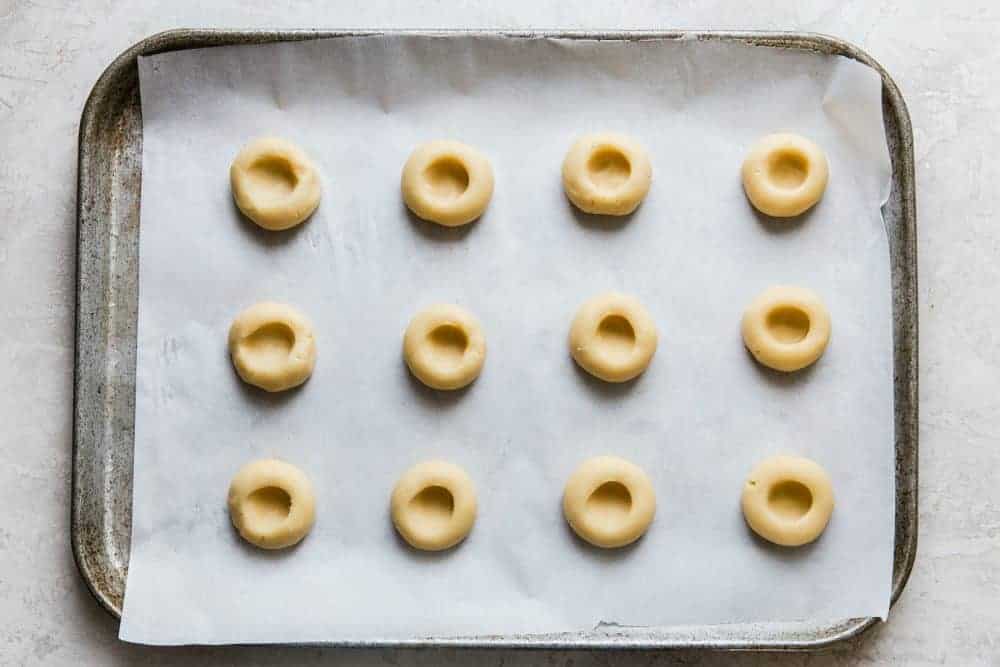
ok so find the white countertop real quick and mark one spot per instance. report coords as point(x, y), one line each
point(945, 60)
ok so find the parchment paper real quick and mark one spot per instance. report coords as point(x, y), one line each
point(695, 253)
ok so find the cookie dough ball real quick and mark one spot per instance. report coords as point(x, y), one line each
point(609, 502)
point(784, 175)
point(786, 328)
point(607, 174)
point(447, 182)
point(444, 347)
point(274, 183)
point(433, 505)
point(272, 346)
point(788, 500)
point(272, 504)
point(613, 337)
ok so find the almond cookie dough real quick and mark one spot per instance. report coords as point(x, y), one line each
point(613, 337)
point(272, 346)
point(784, 175)
point(274, 183)
point(447, 182)
point(786, 328)
point(272, 504)
point(609, 502)
point(433, 505)
point(606, 173)
point(787, 500)
point(444, 347)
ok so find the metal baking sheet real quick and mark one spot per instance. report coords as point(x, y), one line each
point(110, 159)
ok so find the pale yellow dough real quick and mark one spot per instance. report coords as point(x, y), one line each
point(433, 505)
point(447, 182)
point(784, 174)
point(272, 503)
point(613, 337)
point(786, 328)
point(606, 173)
point(272, 346)
point(444, 347)
point(609, 501)
point(788, 500)
point(274, 183)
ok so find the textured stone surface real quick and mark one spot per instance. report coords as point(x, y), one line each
point(943, 55)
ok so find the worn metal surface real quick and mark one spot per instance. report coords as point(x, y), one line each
point(109, 190)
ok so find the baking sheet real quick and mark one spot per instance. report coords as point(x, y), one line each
point(695, 253)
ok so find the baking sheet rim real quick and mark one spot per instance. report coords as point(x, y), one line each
point(899, 214)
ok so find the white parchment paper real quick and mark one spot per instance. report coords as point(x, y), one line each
point(695, 253)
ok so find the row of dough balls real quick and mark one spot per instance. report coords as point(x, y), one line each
point(612, 337)
point(607, 501)
point(277, 186)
